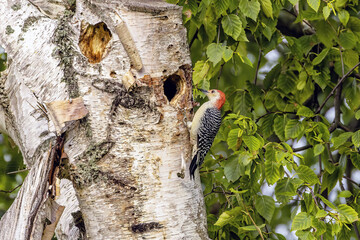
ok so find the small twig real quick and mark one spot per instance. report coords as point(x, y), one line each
point(352, 181)
point(313, 195)
point(258, 65)
point(271, 113)
point(343, 127)
point(18, 171)
point(329, 152)
point(252, 220)
point(320, 173)
point(304, 21)
point(356, 230)
point(10, 191)
point(337, 85)
point(301, 148)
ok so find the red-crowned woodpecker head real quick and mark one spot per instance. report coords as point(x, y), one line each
point(215, 96)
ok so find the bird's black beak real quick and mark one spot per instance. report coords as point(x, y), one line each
point(203, 90)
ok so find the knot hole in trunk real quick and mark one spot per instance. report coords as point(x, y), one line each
point(172, 86)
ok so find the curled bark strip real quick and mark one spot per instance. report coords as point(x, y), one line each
point(56, 211)
point(129, 45)
point(65, 111)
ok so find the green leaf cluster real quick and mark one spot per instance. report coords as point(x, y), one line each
point(290, 122)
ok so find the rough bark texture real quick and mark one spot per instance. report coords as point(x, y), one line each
point(129, 62)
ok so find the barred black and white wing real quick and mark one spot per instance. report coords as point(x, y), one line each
point(209, 126)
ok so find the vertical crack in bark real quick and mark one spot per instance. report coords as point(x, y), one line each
point(79, 223)
point(53, 158)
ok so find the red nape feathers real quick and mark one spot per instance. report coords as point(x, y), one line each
point(221, 100)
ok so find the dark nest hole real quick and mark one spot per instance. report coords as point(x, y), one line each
point(172, 86)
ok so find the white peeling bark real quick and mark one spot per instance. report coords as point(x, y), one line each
point(124, 160)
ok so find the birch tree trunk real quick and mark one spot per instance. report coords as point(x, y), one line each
point(96, 96)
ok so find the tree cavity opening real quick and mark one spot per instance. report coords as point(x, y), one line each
point(172, 86)
point(93, 40)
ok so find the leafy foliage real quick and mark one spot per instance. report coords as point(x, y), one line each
point(10, 161)
point(307, 96)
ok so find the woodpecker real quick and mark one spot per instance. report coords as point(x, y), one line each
point(205, 125)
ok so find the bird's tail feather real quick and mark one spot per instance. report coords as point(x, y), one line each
point(193, 167)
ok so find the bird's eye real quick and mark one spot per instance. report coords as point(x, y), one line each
point(212, 91)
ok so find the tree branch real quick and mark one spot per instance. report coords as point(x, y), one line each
point(10, 191)
point(258, 65)
point(302, 148)
point(337, 85)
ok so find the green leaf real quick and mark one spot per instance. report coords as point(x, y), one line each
point(343, 16)
point(242, 103)
point(314, 4)
point(321, 214)
point(325, 33)
point(347, 214)
point(215, 52)
point(266, 6)
point(341, 139)
point(286, 189)
point(250, 8)
point(321, 56)
point(308, 175)
point(227, 54)
point(305, 112)
point(354, 24)
point(228, 216)
point(326, 12)
point(272, 172)
point(356, 138)
point(322, 79)
point(351, 58)
point(251, 228)
point(301, 221)
point(319, 225)
point(294, 2)
point(327, 202)
point(252, 143)
point(285, 83)
point(233, 139)
point(330, 180)
point(318, 149)
point(267, 126)
point(232, 25)
point(221, 6)
point(247, 61)
point(302, 80)
point(279, 129)
point(200, 70)
point(245, 158)
point(355, 159)
point(278, 235)
point(348, 40)
point(293, 129)
point(357, 115)
point(345, 194)
point(232, 168)
point(352, 93)
point(265, 205)
point(271, 76)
